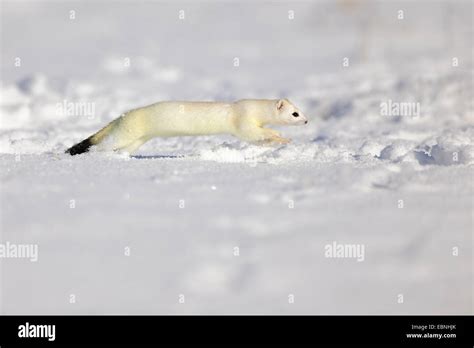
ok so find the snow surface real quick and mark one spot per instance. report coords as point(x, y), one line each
point(182, 205)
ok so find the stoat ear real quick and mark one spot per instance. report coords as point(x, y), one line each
point(280, 104)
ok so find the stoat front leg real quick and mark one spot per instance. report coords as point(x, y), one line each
point(272, 137)
point(263, 136)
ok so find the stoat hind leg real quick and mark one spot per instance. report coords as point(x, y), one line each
point(131, 147)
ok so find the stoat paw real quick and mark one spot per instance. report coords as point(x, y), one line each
point(275, 141)
point(281, 140)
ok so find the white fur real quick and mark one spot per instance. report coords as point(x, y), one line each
point(245, 119)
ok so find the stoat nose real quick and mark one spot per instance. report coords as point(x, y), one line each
point(305, 122)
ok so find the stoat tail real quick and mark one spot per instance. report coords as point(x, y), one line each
point(94, 139)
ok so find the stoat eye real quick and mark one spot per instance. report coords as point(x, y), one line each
point(295, 114)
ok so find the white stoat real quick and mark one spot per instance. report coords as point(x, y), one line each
point(246, 119)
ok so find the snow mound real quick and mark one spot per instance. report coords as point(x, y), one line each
point(451, 148)
point(396, 151)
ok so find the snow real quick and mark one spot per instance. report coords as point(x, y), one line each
point(399, 185)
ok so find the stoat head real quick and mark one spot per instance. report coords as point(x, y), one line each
point(288, 114)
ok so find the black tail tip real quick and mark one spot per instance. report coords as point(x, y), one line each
point(79, 148)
